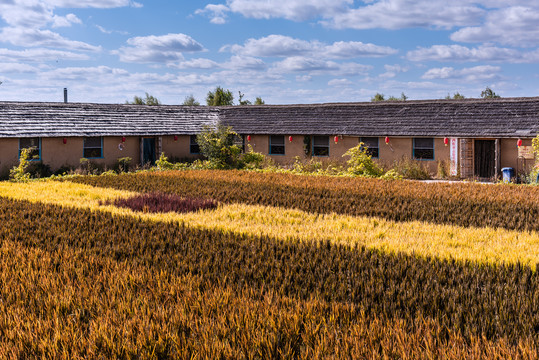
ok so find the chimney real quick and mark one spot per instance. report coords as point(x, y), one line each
point(65, 95)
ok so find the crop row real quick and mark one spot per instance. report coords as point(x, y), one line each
point(484, 245)
point(497, 303)
point(68, 304)
point(475, 205)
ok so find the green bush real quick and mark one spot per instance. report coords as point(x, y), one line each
point(252, 159)
point(20, 172)
point(217, 145)
point(361, 162)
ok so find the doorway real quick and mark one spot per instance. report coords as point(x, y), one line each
point(485, 158)
point(148, 151)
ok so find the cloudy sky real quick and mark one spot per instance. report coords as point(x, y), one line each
point(286, 51)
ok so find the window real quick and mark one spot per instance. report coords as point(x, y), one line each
point(31, 143)
point(194, 148)
point(321, 146)
point(239, 141)
point(371, 143)
point(276, 146)
point(93, 147)
point(424, 148)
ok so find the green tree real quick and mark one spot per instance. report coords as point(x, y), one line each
point(361, 162)
point(456, 96)
point(217, 145)
point(259, 101)
point(220, 97)
point(149, 100)
point(241, 101)
point(394, 98)
point(378, 97)
point(488, 93)
point(190, 101)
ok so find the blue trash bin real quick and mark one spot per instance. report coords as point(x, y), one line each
point(508, 173)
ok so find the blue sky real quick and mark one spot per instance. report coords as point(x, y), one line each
point(294, 51)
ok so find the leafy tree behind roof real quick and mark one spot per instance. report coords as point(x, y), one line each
point(220, 97)
point(149, 100)
point(488, 93)
point(190, 101)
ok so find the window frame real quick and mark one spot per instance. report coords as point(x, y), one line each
point(422, 148)
point(84, 147)
point(320, 146)
point(193, 145)
point(38, 148)
point(370, 148)
point(271, 145)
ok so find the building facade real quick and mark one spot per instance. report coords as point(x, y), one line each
point(477, 137)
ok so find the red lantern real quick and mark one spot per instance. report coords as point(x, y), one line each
point(175, 137)
point(387, 140)
point(248, 137)
point(519, 142)
point(336, 139)
point(290, 138)
point(446, 141)
point(64, 140)
point(123, 138)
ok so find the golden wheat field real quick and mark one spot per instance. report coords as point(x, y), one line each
point(266, 273)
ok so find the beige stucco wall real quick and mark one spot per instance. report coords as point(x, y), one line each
point(9, 155)
point(509, 155)
point(178, 149)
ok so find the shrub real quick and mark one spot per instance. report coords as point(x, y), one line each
point(361, 162)
point(217, 145)
point(122, 164)
point(252, 159)
point(20, 173)
point(163, 164)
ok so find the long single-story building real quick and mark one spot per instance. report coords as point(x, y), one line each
point(478, 137)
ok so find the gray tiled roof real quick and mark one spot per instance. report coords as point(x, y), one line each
point(507, 117)
point(19, 119)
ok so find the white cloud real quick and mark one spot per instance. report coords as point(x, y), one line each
point(298, 10)
point(17, 68)
point(158, 49)
point(217, 13)
point(273, 46)
point(244, 62)
point(352, 49)
point(197, 64)
point(473, 74)
point(285, 46)
point(515, 26)
point(42, 38)
point(65, 21)
point(99, 4)
point(339, 82)
point(398, 14)
point(461, 53)
point(393, 70)
point(39, 55)
point(316, 66)
point(303, 64)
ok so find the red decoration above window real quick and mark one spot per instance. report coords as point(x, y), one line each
point(387, 140)
point(290, 138)
point(336, 139)
point(519, 142)
point(446, 141)
point(175, 137)
point(64, 140)
point(123, 138)
point(248, 137)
